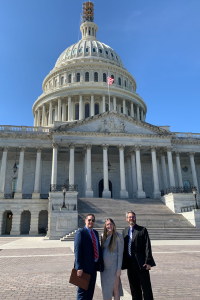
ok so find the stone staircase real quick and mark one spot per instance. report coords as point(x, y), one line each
point(161, 222)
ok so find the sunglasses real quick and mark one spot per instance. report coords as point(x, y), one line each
point(91, 220)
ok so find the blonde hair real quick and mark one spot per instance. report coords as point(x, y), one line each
point(113, 238)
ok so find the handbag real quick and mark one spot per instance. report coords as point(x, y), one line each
point(80, 281)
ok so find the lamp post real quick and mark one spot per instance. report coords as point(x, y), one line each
point(195, 192)
point(64, 191)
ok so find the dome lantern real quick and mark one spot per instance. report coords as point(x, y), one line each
point(88, 27)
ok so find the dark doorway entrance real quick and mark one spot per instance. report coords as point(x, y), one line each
point(7, 222)
point(25, 222)
point(101, 187)
point(43, 221)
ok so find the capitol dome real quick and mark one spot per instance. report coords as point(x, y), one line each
point(77, 86)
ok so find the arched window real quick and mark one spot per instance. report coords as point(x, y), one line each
point(104, 77)
point(95, 76)
point(87, 110)
point(80, 50)
point(70, 78)
point(55, 82)
point(77, 112)
point(67, 113)
point(122, 109)
point(78, 77)
point(128, 112)
point(94, 50)
point(125, 83)
point(112, 76)
point(119, 81)
point(62, 80)
point(107, 107)
point(96, 108)
point(89, 31)
point(87, 76)
point(87, 49)
point(14, 185)
point(100, 51)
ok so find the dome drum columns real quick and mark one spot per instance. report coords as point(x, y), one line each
point(64, 109)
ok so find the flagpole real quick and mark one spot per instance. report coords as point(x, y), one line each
point(109, 91)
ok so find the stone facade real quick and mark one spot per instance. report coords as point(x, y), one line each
point(106, 148)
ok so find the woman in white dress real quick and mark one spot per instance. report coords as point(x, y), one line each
point(112, 244)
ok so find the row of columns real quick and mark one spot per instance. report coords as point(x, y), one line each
point(42, 120)
point(133, 160)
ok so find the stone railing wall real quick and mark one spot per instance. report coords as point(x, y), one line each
point(23, 129)
point(187, 135)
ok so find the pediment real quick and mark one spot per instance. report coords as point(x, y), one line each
point(111, 122)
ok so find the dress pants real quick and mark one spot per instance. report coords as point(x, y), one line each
point(88, 295)
point(140, 284)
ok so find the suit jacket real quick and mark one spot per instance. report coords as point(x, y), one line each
point(140, 248)
point(84, 252)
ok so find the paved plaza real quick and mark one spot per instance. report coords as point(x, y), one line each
point(38, 268)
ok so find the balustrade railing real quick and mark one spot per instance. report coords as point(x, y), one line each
point(23, 129)
point(187, 135)
point(187, 208)
point(58, 187)
point(9, 196)
point(44, 196)
point(26, 196)
point(176, 190)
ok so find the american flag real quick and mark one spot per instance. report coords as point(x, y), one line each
point(110, 80)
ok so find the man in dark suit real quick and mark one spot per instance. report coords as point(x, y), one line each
point(88, 256)
point(137, 258)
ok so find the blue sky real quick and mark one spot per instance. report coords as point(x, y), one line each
point(158, 42)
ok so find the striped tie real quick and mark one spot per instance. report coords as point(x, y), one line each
point(130, 241)
point(94, 245)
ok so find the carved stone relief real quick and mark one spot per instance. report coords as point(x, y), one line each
point(111, 126)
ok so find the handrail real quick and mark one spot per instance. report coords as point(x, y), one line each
point(176, 190)
point(187, 135)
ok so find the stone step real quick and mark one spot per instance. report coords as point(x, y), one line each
point(158, 234)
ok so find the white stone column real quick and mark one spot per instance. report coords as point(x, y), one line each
point(138, 112)
point(130, 189)
point(170, 166)
point(158, 167)
point(80, 107)
point(38, 118)
point(69, 108)
point(71, 164)
point(164, 169)
point(156, 192)
point(59, 109)
point(134, 175)
point(36, 193)
point(103, 103)
point(124, 106)
point(106, 193)
point(56, 112)
point(132, 110)
point(114, 103)
point(43, 115)
point(18, 194)
point(89, 191)
point(34, 222)
point(54, 163)
point(194, 174)
point(123, 191)
point(50, 121)
point(178, 166)
point(142, 115)
point(3, 171)
point(35, 120)
point(140, 192)
point(63, 112)
point(92, 105)
point(16, 221)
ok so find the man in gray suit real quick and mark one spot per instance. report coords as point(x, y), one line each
point(137, 258)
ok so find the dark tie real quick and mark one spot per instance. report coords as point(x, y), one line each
point(94, 245)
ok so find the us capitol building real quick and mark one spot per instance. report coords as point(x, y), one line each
point(96, 149)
